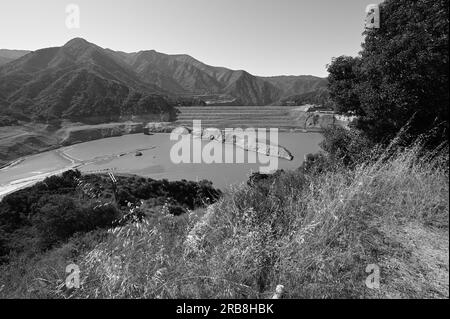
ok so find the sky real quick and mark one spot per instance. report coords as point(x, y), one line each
point(263, 37)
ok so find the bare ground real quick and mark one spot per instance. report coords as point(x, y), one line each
point(417, 264)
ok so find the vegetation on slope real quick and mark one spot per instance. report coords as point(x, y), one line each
point(81, 81)
point(39, 217)
point(313, 230)
point(320, 97)
point(78, 81)
point(7, 56)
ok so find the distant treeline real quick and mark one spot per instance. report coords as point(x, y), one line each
point(187, 101)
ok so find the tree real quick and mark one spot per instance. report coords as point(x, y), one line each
point(343, 84)
point(402, 73)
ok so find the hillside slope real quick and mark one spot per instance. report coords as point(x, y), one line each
point(81, 79)
point(296, 85)
point(183, 74)
point(314, 233)
point(76, 81)
point(7, 56)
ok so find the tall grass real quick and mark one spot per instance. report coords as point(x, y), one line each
point(314, 234)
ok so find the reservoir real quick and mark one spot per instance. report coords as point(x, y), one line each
point(149, 156)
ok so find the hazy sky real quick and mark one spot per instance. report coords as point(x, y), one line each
point(264, 37)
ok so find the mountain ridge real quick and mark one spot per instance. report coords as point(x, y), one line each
point(78, 80)
point(7, 56)
point(81, 79)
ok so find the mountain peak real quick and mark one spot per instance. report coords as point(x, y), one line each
point(78, 49)
point(78, 42)
point(147, 71)
point(147, 52)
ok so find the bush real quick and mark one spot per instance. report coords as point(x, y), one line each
point(347, 147)
point(59, 217)
point(43, 275)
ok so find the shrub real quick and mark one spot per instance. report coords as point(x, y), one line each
point(346, 147)
point(59, 217)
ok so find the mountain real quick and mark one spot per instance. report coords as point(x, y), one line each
point(183, 74)
point(296, 85)
point(76, 81)
point(81, 80)
point(7, 56)
point(321, 96)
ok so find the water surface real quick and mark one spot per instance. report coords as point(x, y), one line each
point(119, 154)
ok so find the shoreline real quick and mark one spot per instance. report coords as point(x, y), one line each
point(74, 163)
point(17, 160)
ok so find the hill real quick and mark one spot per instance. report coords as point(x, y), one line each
point(7, 56)
point(83, 80)
point(185, 75)
point(76, 81)
point(296, 85)
point(314, 232)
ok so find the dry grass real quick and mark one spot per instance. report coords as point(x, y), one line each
point(313, 234)
point(316, 237)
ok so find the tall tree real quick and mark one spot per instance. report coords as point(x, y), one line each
point(344, 77)
point(402, 75)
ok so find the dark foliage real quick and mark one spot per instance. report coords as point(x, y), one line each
point(52, 211)
point(401, 76)
point(346, 147)
point(186, 193)
point(343, 84)
point(7, 120)
point(60, 216)
point(187, 101)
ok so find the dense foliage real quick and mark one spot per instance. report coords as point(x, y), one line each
point(52, 211)
point(401, 75)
